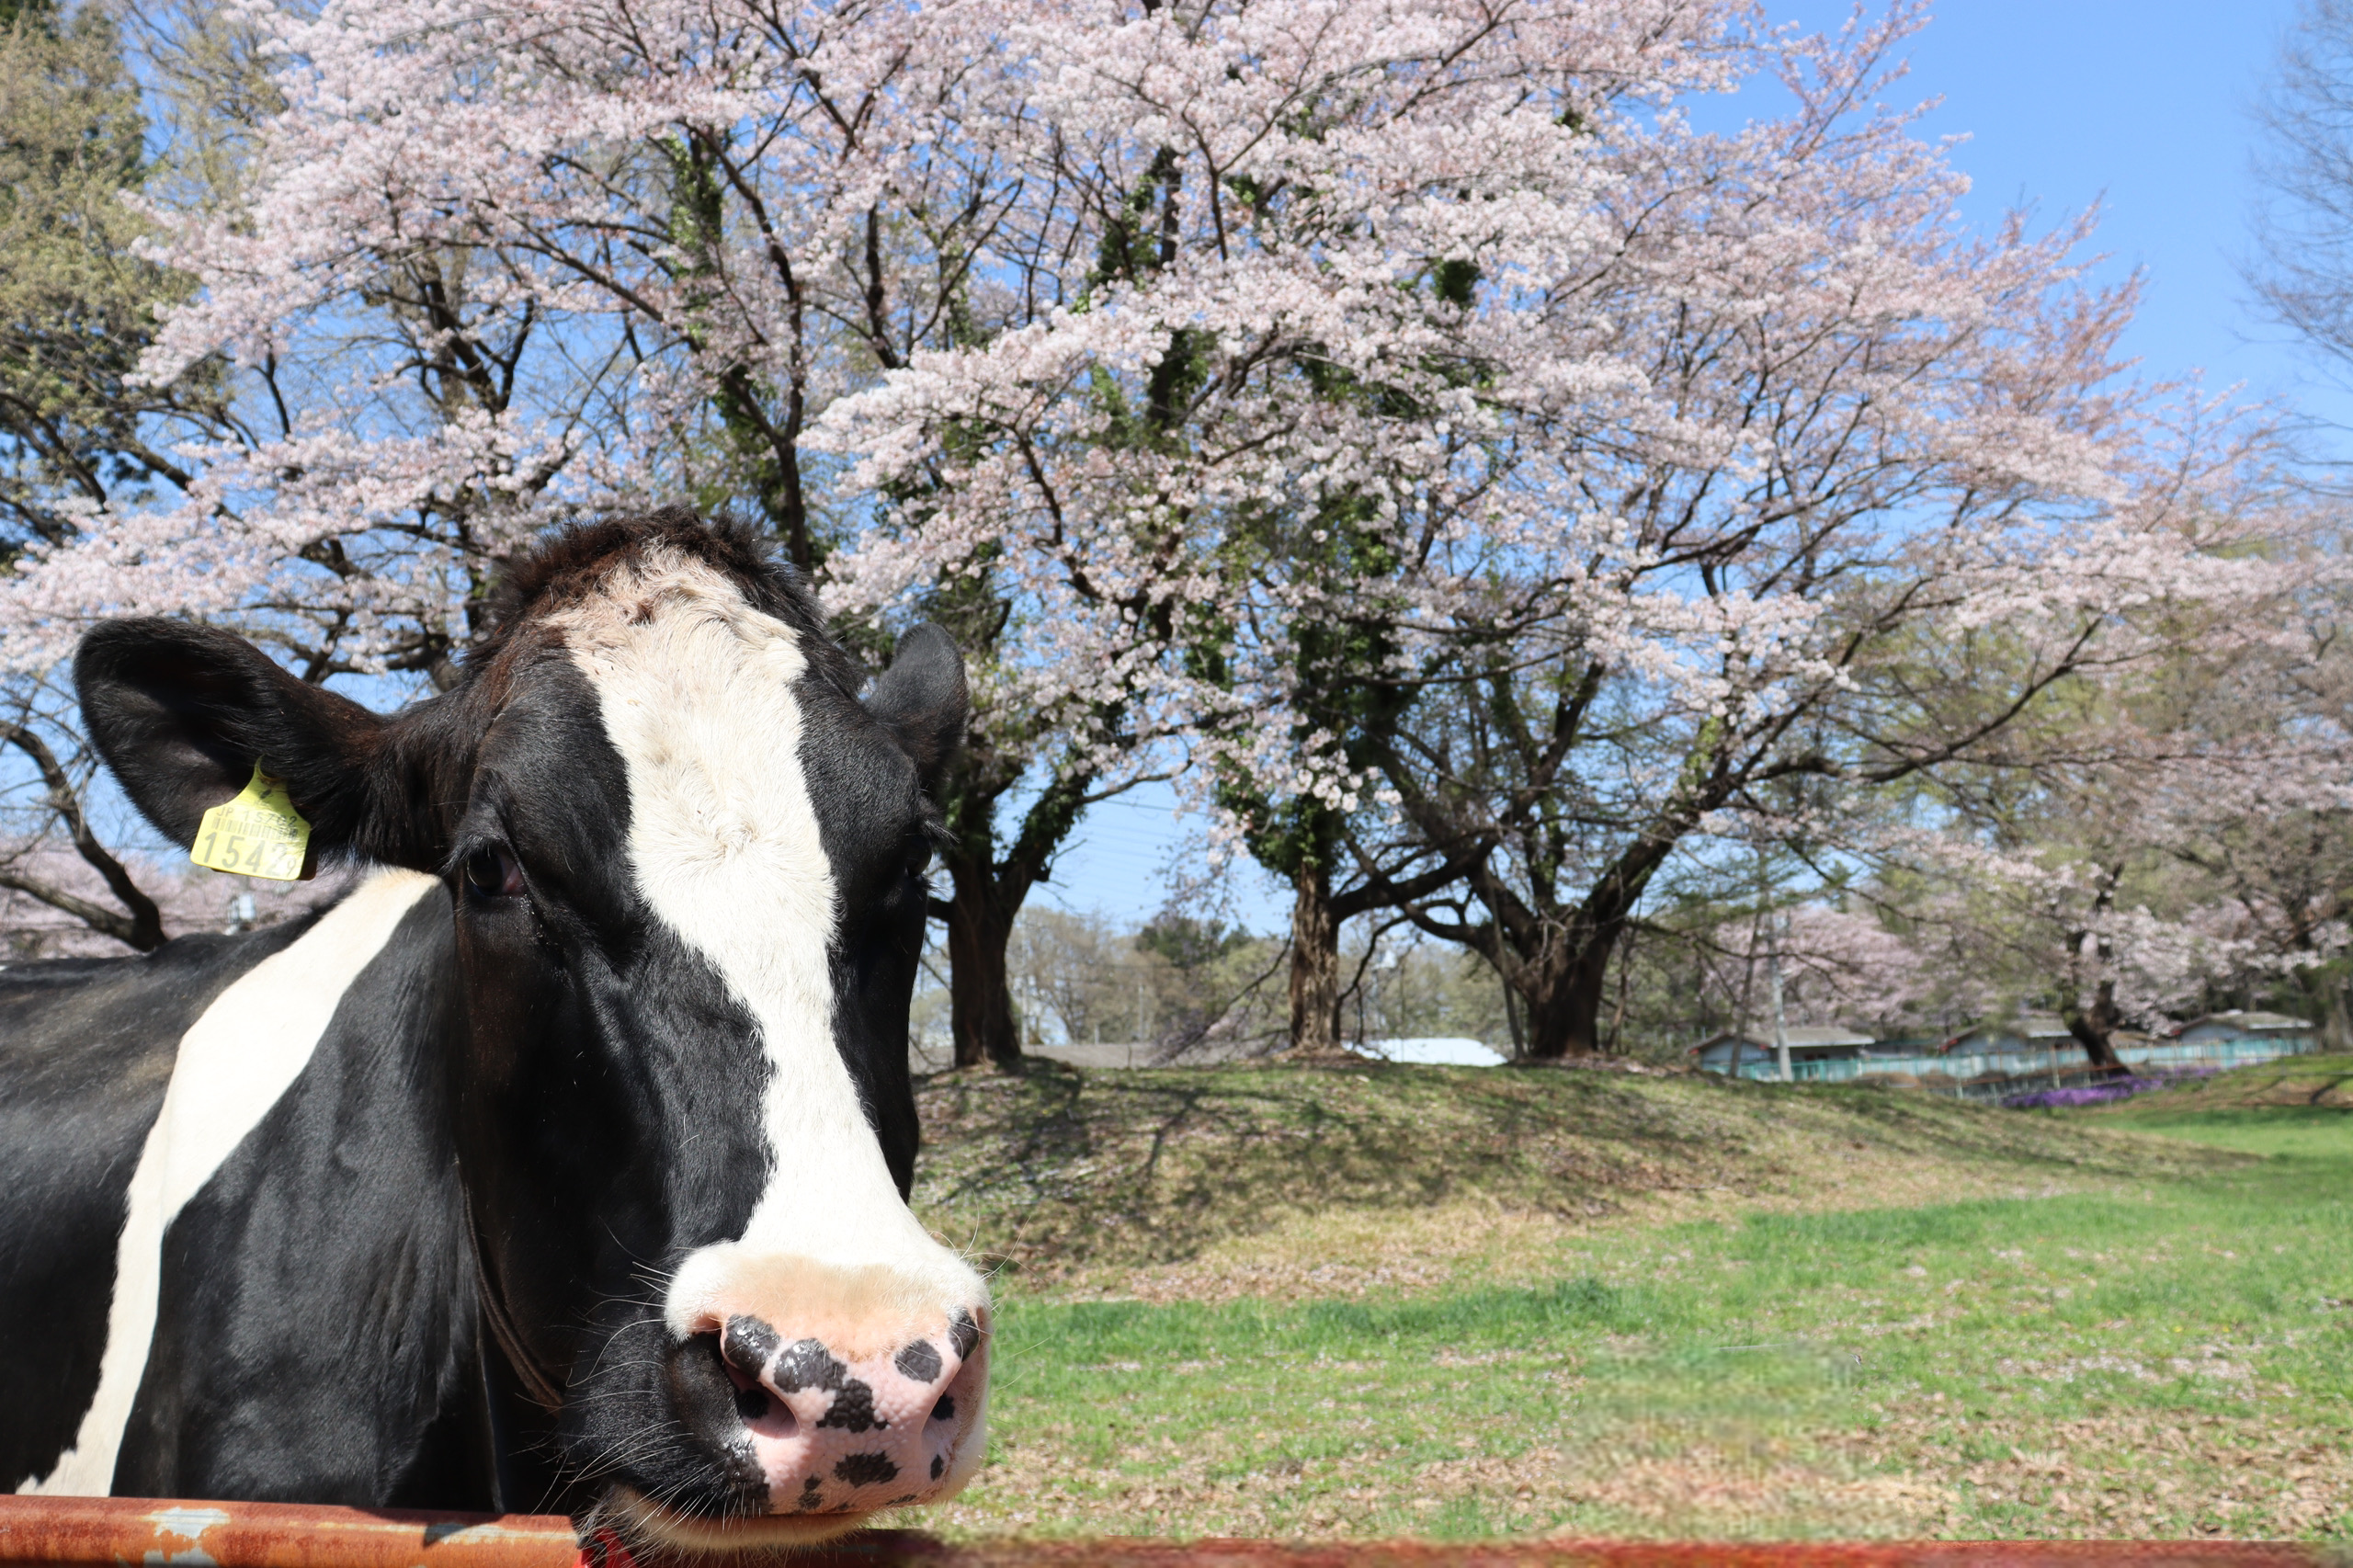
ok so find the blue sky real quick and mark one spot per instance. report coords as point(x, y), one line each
point(2140, 107)
point(2144, 109)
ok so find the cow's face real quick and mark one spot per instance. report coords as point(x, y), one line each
point(685, 866)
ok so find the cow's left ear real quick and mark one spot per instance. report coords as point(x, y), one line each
point(922, 697)
point(182, 713)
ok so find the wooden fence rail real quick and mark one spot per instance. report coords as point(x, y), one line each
point(274, 1535)
point(75, 1532)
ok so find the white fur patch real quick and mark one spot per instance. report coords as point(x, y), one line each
point(234, 1064)
point(696, 688)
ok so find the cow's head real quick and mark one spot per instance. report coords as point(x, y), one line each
point(685, 864)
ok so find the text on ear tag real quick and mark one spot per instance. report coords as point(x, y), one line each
point(259, 833)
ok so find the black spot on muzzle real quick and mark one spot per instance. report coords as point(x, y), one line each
point(866, 1470)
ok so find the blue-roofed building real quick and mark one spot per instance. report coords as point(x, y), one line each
point(2026, 1047)
point(1817, 1053)
point(2228, 1040)
point(2029, 1034)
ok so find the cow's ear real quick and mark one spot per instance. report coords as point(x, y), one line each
point(923, 698)
point(182, 713)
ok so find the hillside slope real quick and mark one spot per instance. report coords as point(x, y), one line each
point(1370, 1303)
point(1288, 1181)
point(2294, 1081)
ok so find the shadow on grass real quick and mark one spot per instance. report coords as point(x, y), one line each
point(1153, 1166)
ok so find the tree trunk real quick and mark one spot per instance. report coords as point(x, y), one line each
point(1314, 963)
point(988, 892)
point(1511, 1020)
point(2324, 985)
point(980, 993)
point(1625, 987)
point(2095, 1027)
point(1563, 994)
point(1560, 956)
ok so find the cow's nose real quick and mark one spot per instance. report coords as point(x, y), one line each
point(836, 1432)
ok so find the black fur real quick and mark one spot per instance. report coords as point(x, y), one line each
point(181, 713)
point(923, 700)
point(85, 1051)
point(236, 1383)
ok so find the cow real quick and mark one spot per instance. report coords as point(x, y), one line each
point(562, 1163)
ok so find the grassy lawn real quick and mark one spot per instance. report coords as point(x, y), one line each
point(2291, 1135)
point(1452, 1303)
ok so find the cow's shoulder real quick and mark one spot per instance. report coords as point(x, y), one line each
point(87, 1047)
point(72, 1028)
point(319, 1277)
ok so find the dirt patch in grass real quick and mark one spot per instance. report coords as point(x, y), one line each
point(1698, 1491)
point(2168, 1474)
point(2140, 1474)
point(1295, 1182)
point(1702, 1491)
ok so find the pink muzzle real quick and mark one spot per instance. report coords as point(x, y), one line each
point(849, 1437)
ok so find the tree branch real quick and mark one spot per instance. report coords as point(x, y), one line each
point(144, 928)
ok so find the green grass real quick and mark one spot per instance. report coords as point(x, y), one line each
point(2159, 1350)
point(2288, 1133)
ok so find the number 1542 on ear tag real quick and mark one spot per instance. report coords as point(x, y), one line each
point(259, 833)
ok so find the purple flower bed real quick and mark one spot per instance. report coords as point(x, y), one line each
point(2103, 1092)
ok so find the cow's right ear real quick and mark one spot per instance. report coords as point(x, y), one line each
point(182, 713)
point(924, 700)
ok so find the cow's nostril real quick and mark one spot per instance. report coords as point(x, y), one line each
point(946, 1409)
point(754, 1403)
point(747, 1345)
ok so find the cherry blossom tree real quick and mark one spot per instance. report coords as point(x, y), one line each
point(2257, 820)
point(1839, 965)
point(1243, 465)
point(1868, 497)
point(78, 434)
point(1502, 486)
point(488, 272)
point(2088, 926)
point(1493, 486)
point(2175, 832)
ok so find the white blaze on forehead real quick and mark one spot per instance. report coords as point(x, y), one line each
point(237, 1062)
point(696, 688)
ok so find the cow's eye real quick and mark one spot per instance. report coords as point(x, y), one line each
point(493, 872)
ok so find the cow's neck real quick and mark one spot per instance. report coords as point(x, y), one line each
point(303, 1144)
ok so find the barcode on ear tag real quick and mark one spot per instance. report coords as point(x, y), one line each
point(259, 833)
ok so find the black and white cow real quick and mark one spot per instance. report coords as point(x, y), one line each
point(563, 1162)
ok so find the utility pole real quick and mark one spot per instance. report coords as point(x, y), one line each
point(1773, 978)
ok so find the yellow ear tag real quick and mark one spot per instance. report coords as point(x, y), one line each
point(259, 833)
